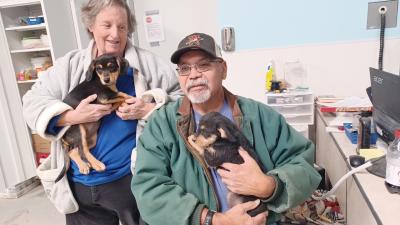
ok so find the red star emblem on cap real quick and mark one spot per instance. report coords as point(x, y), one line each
point(194, 40)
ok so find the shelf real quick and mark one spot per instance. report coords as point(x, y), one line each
point(31, 50)
point(41, 26)
point(26, 81)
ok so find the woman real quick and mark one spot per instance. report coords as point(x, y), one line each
point(99, 197)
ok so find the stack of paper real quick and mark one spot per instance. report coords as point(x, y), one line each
point(350, 104)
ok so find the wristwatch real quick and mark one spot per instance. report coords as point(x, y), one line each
point(209, 216)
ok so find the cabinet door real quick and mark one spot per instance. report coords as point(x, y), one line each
point(16, 156)
point(328, 157)
point(358, 211)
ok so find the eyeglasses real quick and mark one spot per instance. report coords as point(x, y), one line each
point(202, 66)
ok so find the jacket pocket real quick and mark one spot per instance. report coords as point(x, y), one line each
point(59, 193)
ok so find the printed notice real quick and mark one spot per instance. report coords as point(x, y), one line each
point(153, 27)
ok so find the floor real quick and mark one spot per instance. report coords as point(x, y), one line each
point(32, 208)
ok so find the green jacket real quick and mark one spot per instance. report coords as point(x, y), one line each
point(172, 185)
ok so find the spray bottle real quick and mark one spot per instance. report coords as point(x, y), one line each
point(270, 75)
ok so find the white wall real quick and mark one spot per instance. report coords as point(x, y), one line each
point(180, 18)
point(329, 37)
point(340, 69)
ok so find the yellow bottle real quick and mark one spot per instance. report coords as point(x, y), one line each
point(269, 76)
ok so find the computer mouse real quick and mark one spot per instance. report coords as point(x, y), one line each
point(356, 160)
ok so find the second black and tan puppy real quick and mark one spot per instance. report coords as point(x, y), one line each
point(101, 79)
point(218, 140)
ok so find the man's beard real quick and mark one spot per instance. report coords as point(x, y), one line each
point(199, 96)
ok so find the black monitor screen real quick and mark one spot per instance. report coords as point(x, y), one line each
point(385, 92)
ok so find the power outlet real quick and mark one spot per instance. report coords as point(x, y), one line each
point(374, 14)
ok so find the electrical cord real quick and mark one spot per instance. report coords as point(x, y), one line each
point(382, 40)
point(347, 175)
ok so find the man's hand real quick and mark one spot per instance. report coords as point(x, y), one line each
point(134, 108)
point(237, 215)
point(85, 112)
point(247, 178)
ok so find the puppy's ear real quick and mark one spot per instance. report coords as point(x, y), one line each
point(123, 65)
point(90, 72)
point(227, 133)
point(222, 133)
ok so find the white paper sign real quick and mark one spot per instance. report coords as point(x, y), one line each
point(153, 28)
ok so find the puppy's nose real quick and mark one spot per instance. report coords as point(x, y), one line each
point(106, 79)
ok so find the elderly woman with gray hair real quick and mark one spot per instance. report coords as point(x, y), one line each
point(98, 197)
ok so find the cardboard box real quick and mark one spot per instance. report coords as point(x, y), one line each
point(40, 144)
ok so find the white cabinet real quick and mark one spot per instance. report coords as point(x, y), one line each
point(17, 157)
point(296, 106)
point(35, 30)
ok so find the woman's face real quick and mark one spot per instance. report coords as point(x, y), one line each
point(110, 31)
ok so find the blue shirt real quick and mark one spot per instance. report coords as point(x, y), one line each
point(219, 186)
point(116, 138)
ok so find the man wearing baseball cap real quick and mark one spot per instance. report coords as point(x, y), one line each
point(173, 185)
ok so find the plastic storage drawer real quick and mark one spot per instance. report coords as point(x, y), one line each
point(293, 109)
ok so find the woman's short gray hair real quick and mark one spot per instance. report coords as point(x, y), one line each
point(90, 10)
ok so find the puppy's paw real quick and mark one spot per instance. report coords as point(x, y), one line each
point(192, 138)
point(98, 166)
point(84, 168)
point(192, 142)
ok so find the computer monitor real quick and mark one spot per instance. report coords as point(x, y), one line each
point(385, 92)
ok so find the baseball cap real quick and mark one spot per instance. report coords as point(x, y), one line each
point(197, 41)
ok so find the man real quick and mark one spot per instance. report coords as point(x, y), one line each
point(173, 185)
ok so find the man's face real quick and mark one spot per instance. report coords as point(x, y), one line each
point(200, 86)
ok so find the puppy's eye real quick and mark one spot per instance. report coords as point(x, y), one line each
point(113, 68)
point(99, 69)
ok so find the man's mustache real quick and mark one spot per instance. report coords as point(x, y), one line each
point(193, 83)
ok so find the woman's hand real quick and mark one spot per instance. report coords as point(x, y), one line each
point(134, 108)
point(247, 178)
point(85, 112)
point(237, 215)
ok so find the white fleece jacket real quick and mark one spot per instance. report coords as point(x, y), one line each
point(153, 79)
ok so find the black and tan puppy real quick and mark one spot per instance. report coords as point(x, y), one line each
point(101, 79)
point(218, 140)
